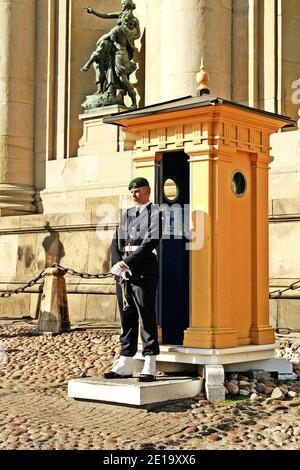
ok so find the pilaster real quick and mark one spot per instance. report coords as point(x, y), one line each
point(194, 23)
point(261, 332)
point(17, 74)
point(210, 321)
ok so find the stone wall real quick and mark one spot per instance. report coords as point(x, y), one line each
point(285, 228)
point(80, 241)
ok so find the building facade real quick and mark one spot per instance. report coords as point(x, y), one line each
point(61, 172)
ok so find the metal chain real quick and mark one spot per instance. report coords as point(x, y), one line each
point(34, 281)
point(275, 294)
point(82, 275)
point(286, 331)
point(279, 292)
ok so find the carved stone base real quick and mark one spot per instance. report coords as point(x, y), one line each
point(99, 138)
point(16, 200)
point(54, 313)
point(96, 101)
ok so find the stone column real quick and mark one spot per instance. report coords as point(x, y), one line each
point(182, 45)
point(253, 53)
point(288, 54)
point(17, 74)
point(210, 270)
point(188, 33)
point(240, 49)
point(267, 55)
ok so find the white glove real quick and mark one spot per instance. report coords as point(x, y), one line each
point(116, 270)
point(123, 272)
point(126, 273)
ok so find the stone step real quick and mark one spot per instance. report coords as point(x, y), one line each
point(131, 392)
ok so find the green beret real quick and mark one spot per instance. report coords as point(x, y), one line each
point(138, 183)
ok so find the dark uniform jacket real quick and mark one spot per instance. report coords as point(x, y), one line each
point(142, 231)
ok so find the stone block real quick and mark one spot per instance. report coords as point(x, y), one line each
point(284, 185)
point(284, 238)
point(35, 305)
point(214, 382)
point(49, 249)
point(103, 286)
point(282, 366)
point(286, 206)
point(8, 255)
point(273, 312)
point(9, 223)
point(99, 137)
point(62, 201)
point(75, 246)
point(101, 308)
point(105, 170)
point(215, 392)
point(99, 257)
point(78, 218)
point(131, 392)
point(105, 215)
point(55, 220)
point(284, 161)
point(16, 306)
point(27, 266)
point(214, 374)
point(94, 204)
point(167, 367)
point(77, 307)
point(289, 314)
point(33, 221)
point(285, 377)
point(240, 354)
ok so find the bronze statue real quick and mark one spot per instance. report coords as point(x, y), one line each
point(112, 59)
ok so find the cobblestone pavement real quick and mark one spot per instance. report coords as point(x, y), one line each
point(35, 412)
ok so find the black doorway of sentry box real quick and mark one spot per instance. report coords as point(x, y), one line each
point(173, 193)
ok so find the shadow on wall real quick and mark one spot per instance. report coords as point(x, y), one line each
point(54, 252)
point(54, 249)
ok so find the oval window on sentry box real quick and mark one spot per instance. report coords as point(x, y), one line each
point(171, 190)
point(238, 184)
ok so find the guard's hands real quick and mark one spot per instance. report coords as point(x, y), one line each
point(122, 265)
point(126, 273)
point(121, 269)
point(89, 10)
point(116, 270)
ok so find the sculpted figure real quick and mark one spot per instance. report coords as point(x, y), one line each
point(112, 58)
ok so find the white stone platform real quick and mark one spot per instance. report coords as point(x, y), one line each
point(197, 356)
point(209, 363)
point(240, 359)
point(212, 364)
point(131, 392)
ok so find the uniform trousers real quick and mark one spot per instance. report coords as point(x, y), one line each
point(141, 297)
